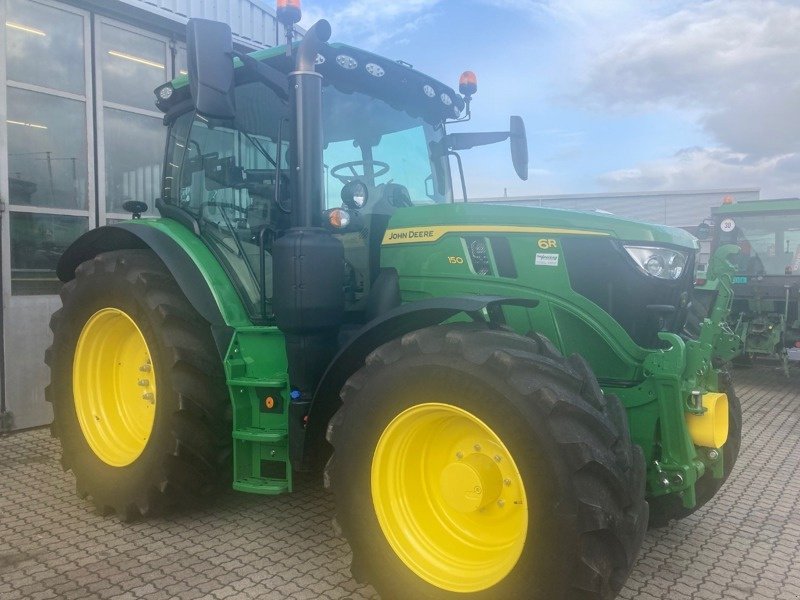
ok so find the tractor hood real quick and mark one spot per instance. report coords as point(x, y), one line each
point(511, 218)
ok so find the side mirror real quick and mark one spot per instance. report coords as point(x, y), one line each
point(519, 147)
point(210, 64)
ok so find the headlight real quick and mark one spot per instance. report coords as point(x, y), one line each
point(664, 263)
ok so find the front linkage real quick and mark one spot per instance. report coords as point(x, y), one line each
point(692, 405)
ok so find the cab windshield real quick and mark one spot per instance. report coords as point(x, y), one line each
point(385, 148)
point(770, 244)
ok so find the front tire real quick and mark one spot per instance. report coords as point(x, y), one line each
point(139, 398)
point(474, 462)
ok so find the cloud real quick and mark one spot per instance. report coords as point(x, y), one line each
point(704, 168)
point(370, 24)
point(575, 12)
point(732, 64)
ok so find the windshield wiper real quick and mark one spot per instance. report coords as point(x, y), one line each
point(260, 148)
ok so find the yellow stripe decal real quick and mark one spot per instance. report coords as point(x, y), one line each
point(415, 235)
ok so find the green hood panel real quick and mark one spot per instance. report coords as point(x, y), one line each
point(508, 218)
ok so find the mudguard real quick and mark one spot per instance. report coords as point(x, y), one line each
point(124, 236)
point(307, 445)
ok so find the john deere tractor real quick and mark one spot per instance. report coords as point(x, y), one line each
point(492, 393)
point(767, 278)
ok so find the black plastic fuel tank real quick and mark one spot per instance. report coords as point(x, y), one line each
point(308, 300)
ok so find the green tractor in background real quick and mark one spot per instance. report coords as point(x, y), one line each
point(767, 277)
point(493, 393)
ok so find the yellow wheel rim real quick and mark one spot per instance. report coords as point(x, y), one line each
point(449, 497)
point(114, 387)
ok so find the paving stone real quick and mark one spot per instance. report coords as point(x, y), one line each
point(743, 545)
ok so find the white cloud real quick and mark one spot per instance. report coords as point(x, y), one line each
point(735, 66)
point(699, 168)
point(370, 24)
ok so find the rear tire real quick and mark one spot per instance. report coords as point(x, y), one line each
point(583, 479)
point(664, 509)
point(126, 462)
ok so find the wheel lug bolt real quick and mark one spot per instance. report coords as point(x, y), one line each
point(477, 447)
point(501, 503)
point(149, 396)
point(144, 382)
point(459, 455)
point(497, 458)
point(145, 368)
point(507, 481)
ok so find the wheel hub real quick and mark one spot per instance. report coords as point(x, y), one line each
point(471, 484)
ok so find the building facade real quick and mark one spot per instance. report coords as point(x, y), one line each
point(79, 136)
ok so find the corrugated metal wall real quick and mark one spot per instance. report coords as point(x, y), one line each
point(252, 21)
point(677, 209)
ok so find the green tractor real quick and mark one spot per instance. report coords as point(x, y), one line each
point(767, 277)
point(493, 394)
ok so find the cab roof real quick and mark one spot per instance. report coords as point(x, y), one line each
point(758, 206)
point(351, 69)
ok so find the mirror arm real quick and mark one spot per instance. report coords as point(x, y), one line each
point(460, 172)
point(465, 141)
point(270, 76)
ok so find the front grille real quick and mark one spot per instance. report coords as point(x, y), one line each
point(602, 271)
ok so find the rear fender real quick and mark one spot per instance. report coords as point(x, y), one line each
point(181, 263)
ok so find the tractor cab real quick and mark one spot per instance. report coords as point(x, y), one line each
point(384, 147)
point(767, 277)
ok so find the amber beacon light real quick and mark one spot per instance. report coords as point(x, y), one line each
point(468, 83)
point(288, 12)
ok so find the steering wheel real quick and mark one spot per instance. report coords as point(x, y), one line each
point(382, 169)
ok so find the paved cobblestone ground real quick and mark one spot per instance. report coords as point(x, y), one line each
point(745, 544)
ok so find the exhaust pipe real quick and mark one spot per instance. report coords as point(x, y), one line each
point(305, 86)
point(308, 262)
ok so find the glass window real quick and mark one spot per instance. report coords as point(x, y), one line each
point(176, 148)
point(37, 242)
point(386, 148)
point(44, 46)
point(225, 172)
point(406, 152)
point(134, 146)
point(46, 150)
point(770, 244)
point(181, 67)
point(132, 66)
point(227, 180)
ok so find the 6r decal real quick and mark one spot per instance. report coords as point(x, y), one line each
point(546, 244)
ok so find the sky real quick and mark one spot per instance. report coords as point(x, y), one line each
point(617, 95)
